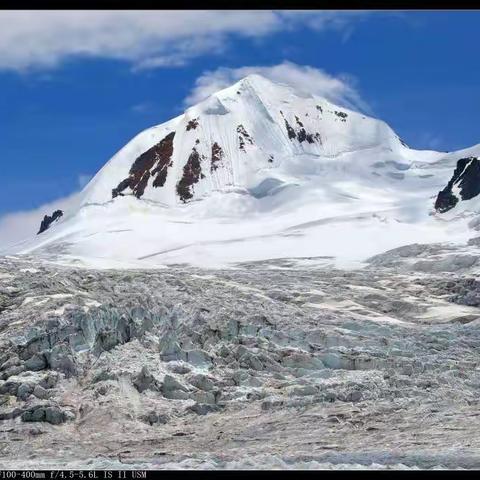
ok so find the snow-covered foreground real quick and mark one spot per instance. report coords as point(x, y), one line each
point(275, 364)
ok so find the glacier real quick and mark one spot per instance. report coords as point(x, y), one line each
point(267, 281)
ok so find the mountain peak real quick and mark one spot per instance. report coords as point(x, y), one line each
point(253, 159)
point(257, 81)
point(260, 86)
point(252, 131)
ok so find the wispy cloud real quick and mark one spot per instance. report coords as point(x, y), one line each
point(340, 89)
point(148, 39)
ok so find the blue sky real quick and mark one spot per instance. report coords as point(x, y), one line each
point(70, 97)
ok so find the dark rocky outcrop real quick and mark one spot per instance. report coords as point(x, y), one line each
point(243, 137)
point(192, 172)
point(466, 178)
point(217, 156)
point(304, 136)
point(48, 220)
point(192, 124)
point(290, 131)
point(47, 413)
point(152, 163)
point(37, 362)
point(300, 134)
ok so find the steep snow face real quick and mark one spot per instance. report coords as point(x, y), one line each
point(260, 171)
point(236, 139)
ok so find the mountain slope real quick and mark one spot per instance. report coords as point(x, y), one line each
point(256, 171)
point(234, 139)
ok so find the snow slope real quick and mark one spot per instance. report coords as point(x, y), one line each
point(259, 171)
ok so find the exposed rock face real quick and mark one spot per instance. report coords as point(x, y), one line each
point(48, 220)
point(152, 163)
point(46, 413)
point(290, 131)
point(243, 137)
point(342, 115)
point(192, 124)
point(192, 172)
point(464, 185)
point(217, 156)
point(301, 134)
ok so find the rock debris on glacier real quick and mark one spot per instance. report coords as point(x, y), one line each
point(289, 366)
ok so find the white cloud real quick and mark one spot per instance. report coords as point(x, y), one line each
point(338, 89)
point(19, 226)
point(148, 39)
point(320, 20)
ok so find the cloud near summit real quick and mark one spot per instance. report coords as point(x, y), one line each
point(338, 89)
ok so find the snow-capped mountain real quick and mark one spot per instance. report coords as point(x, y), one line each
point(260, 170)
point(252, 131)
